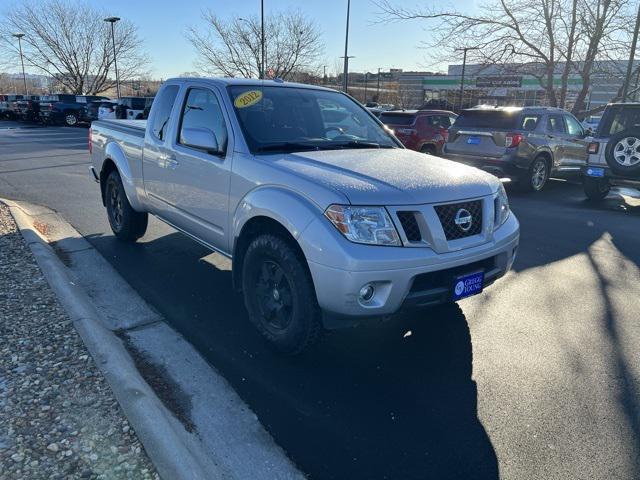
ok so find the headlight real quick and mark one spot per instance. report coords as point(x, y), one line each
point(501, 206)
point(370, 225)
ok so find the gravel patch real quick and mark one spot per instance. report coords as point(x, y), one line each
point(58, 416)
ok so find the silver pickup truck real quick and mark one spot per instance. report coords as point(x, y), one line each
point(328, 220)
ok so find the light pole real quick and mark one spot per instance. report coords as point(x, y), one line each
point(345, 75)
point(262, 36)
point(263, 47)
point(378, 88)
point(627, 80)
point(112, 21)
point(324, 75)
point(464, 64)
point(24, 76)
point(366, 77)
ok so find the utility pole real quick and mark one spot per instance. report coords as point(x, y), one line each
point(112, 21)
point(378, 88)
point(345, 75)
point(634, 42)
point(324, 75)
point(464, 65)
point(24, 75)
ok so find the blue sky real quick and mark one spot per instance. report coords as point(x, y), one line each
point(162, 25)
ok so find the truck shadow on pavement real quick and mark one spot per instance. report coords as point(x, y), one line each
point(574, 225)
point(391, 400)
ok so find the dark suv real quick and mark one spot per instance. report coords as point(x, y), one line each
point(614, 153)
point(525, 144)
point(420, 130)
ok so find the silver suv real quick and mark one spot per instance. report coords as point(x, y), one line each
point(525, 144)
point(614, 153)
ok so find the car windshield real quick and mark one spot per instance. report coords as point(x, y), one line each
point(276, 119)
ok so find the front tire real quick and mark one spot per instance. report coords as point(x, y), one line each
point(126, 224)
point(279, 295)
point(537, 176)
point(595, 189)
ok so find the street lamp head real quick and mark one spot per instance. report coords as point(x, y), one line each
point(112, 19)
point(18, 35)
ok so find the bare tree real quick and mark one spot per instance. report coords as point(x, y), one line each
point(70, 42)
point(233, 48)
point(541, 38)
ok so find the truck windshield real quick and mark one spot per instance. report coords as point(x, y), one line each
point(289, 119)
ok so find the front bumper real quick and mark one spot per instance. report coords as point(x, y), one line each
point(406, 277)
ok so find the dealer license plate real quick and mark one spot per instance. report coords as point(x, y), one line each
point(467, 285)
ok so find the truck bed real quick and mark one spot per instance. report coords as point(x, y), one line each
point(131, 127)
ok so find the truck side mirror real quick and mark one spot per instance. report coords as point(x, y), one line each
point(200, 138)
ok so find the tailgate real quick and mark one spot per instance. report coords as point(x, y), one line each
point(478, 142)
point(482, 131)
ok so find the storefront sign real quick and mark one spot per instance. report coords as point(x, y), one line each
point(495, 81)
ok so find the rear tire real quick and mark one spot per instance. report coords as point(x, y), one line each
point(126, 224)
point(537, 176)
point(595, 189)
point(279, 295)
point(70, 119)
point(429, 150)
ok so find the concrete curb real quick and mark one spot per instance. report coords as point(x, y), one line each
point(176, 453)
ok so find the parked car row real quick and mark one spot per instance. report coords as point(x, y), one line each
point(71, 110)
point(528, 145)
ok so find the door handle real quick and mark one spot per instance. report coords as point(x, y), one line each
point(168, 161)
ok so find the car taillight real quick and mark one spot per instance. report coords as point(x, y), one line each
point(513, 139)
point(90, 141)
point(593, 147)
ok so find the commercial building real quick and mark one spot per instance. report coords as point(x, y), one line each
point(503, 85)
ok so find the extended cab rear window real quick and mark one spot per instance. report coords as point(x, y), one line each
point(397, 118)
point(490, 119)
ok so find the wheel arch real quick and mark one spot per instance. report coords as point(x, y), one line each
point(115, 159)
point(274, 210)
point(547, 155)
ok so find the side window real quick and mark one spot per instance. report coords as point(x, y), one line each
point(445, 121)
point(529, 122)
point(162, 111)
point(573, 126)
point(202, 111)
point(555, 124)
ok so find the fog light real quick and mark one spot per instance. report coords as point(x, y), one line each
point(367, 292)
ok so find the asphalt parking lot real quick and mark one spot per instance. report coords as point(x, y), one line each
point(539, 377)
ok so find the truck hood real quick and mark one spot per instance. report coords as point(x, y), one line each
point(388, 176)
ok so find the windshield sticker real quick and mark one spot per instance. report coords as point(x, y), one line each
point(248, 98)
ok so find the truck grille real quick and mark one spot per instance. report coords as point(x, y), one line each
point(460, 220)
point(410, 226)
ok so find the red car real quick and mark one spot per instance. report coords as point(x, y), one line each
point(421, 130)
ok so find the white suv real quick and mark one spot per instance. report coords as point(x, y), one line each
point(614, 153)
